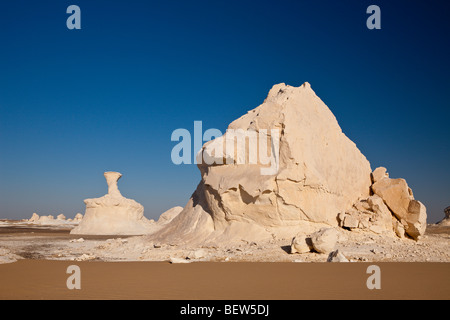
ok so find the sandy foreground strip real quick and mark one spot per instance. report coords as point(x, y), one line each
point(43, 279)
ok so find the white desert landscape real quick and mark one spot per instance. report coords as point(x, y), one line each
point(323, 204)
point(235, 151)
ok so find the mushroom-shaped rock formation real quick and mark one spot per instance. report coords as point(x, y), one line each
point(113, 214)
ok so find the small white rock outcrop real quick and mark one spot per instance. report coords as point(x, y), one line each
point(325, 240)
point(301, 243)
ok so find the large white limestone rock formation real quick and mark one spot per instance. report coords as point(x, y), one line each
point(113, 214)
point(319, 173)
point(307, 175)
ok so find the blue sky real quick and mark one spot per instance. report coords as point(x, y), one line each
point(76, 103)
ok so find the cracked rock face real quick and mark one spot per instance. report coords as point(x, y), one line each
point(392, 209)
point(399, 198)
point(368, 214)
point(320, 172)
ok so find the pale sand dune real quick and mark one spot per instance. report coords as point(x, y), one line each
point(39, 279)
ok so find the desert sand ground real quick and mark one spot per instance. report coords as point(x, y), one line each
point(41, 279)
point(37, 242)
point(124, 268)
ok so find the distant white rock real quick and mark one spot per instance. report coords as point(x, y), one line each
point(43, 219)
point(446, 221)
point(169, 215)
point(34, 218)
point(50, 220)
